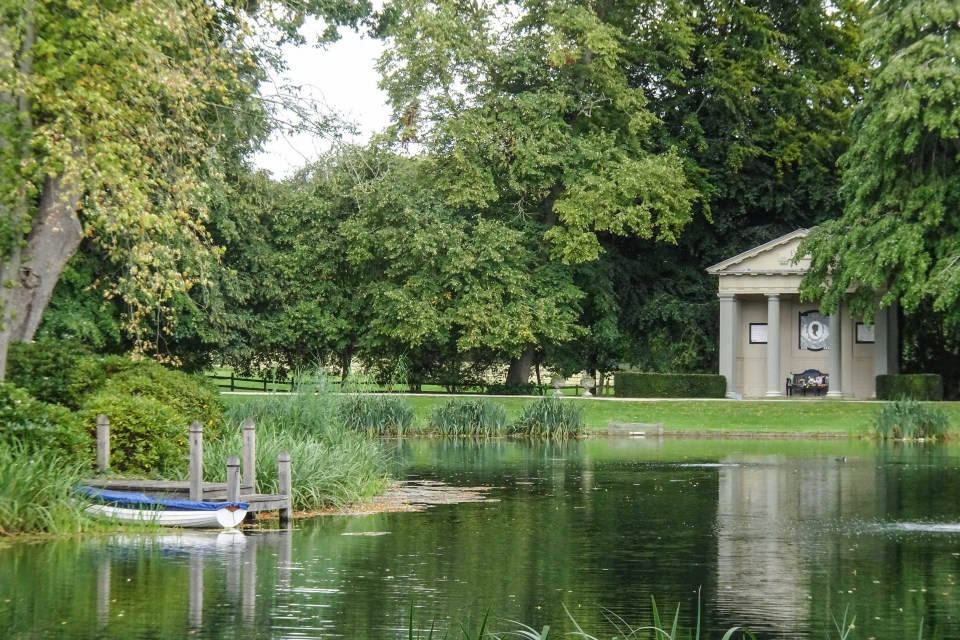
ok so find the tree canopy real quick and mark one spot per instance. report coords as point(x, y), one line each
point(899, 236)
point(112, 116)
point(559, 176)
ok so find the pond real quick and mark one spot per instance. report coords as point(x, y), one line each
point(784, 537)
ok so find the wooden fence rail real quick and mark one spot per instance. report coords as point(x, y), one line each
point(235, 383)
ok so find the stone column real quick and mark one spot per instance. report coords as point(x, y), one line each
point(881, 349)
point(773, 346)
point(893, 338)
point(729, 342)
point(835, 344)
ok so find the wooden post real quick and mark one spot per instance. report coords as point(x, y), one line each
point(249, 455)
point(285, 486)
point(103, 443)
point(233, 479)
point(196, 462)
point(231, 381)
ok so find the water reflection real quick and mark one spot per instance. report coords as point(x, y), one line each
point(221, 573)
point(777, 536)
point(803, 541)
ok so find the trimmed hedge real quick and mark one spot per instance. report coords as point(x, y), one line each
point(632, 384)
point(915, 386)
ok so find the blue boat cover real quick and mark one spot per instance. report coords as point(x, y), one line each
point(140, 500)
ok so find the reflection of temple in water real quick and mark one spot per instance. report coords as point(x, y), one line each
point(766, 511)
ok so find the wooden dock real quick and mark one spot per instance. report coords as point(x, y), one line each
point(236, 489)
point(212, 492)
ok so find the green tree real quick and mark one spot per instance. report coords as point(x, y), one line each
point(434, 281)
point(530, 118)
point(110, 118)
point(757, 98)
point(898, 238)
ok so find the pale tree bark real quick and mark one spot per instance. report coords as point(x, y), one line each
point(32, 271)
point(15, 110)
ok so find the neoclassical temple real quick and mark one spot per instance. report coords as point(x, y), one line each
point(767, 334)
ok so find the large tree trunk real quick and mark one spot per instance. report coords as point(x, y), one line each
point(32, 271)
point(519, 371)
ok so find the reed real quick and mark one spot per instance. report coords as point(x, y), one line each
point(376, 414)
point(550, 419)
point(907, 419)
point(661, 628)
point(36, 490)
point(332, 465)
point(477, 418)
point(657, 631)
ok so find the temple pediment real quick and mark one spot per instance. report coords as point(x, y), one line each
point(773, 258)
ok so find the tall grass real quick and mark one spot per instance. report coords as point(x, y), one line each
point(332, 465)
point(376, 414)
point(469, 418)
point(550, 419)
point(660, 629)
point(36, 491)
point(911, 420)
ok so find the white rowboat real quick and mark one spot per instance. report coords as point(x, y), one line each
point(125, 506)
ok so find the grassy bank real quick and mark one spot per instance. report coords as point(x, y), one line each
point(733, 416)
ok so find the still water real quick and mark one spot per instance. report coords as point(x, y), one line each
point(781, 537)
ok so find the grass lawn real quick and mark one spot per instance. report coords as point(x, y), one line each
point(753, 416)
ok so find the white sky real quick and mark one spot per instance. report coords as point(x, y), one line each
point(342, 77)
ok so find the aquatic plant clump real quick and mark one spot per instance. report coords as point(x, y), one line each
point(907, 419)
point(331, 464)
point(36, 489)
point(550, 418)
point(665, 629)
point(469, 418)
point(326, 472)
point(376, 414)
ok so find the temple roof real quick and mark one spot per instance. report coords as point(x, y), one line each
point(772, 258)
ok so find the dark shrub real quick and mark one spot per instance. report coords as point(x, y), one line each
point(45, 369)
point(918, 386)
point(190, 397)
point(631, 384)
point(39, 426)
point(146, 436)
point(521, 389)
point(92, 373)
